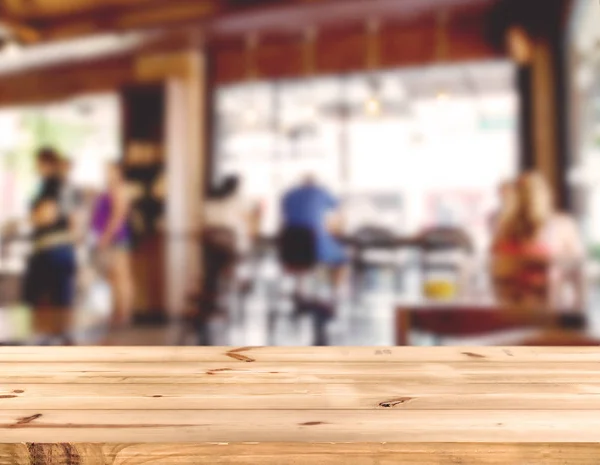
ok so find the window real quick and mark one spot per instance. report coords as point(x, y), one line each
point(435, 142)
point(85, 130)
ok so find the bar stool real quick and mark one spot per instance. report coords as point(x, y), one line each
point(297, 253)
point(219, 259)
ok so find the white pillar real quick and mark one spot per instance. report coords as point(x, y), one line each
point(185, 173)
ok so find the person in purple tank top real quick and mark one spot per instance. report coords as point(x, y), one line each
point(110, 225)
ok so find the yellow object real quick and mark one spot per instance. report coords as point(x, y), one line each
point(440, 289)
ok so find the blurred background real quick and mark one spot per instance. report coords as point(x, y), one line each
point(300, 172)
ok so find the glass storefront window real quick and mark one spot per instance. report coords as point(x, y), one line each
point(85, 130)
point(407, 148)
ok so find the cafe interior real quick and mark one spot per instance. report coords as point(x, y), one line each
point(411, 114)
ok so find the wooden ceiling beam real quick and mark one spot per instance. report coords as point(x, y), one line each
point(224, 17)
point(147, 15)
point(21, 31)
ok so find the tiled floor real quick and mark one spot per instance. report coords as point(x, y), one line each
point(267, 319)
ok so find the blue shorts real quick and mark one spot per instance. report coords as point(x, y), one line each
point(50, 277)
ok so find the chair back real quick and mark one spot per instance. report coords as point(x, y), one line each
point(444, 251)
point(445, 239)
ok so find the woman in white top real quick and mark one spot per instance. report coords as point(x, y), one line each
point(230, 223)
point(226, 208)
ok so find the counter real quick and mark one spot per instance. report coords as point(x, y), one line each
point(486, 405)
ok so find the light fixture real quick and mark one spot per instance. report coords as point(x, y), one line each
point(442, 96)
point(373, 106)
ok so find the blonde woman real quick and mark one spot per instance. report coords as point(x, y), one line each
point(537, 252)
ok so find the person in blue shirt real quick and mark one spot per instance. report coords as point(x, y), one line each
point(308, 206)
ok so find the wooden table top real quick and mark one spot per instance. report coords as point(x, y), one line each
point(486, 405)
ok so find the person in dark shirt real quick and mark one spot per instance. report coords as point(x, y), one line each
point(50, 275)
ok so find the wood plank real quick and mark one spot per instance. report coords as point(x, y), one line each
point(66, 80)
point(305, 454)
point(22, 31)
point(341, 52)
point(300, 396)
point(280, 58)
point(300, 372)
point(176, 426)
point(421, 35)
point(243, 355)
point(155, 14)
point(49, 9)
point(230, 64)
point(338, 405)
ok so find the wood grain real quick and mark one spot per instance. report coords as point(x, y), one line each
point(394, 425)
point(492, 405)
point(297, 372)
point(301, 396)
point(300, 354)
point(305, 454)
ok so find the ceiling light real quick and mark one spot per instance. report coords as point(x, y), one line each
point(442, 96)
point(373, 106)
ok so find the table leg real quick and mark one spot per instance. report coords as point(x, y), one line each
point(402, 327)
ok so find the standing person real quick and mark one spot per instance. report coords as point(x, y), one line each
point(50, 275)
point(230, 223)
point(309, 206)
point(226, 208)
point(537, 251)
point(110, 224)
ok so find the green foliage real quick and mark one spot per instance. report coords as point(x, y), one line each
point(41, 130)
point(63, 136)
point(594, 252)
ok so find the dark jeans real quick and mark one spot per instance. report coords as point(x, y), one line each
point(50, 277)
